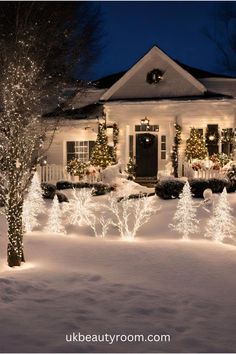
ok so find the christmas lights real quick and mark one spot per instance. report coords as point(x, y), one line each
point(175, 149)
point(33, 205)
point(130, 214)
point(195, 146)
point(81, 209)
point(221, 224)
point(21, 133)
point(184, 221)
point(54, 224)
point(101, 155)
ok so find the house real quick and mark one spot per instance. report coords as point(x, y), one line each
point(146, 103)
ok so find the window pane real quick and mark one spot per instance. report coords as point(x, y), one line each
point(163, 155)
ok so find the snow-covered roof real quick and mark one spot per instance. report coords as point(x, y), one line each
point(224, 86)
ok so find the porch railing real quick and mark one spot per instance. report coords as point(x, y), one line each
point(53, 173)
point(202, 173)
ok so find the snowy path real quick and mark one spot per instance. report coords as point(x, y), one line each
point(157, 284)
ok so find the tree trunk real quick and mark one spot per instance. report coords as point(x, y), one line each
point(15, 254)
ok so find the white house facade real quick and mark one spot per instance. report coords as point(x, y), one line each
point(146, 102)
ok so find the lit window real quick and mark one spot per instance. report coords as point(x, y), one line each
point(78, 150)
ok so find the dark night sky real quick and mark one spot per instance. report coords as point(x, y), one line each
point(132, 28)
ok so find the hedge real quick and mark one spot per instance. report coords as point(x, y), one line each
point(99, 188)
point(171, 189)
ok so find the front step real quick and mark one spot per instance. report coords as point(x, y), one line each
point(146, 181)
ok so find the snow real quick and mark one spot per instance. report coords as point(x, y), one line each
point(155, 284)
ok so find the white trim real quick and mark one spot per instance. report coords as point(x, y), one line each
point(131, 72)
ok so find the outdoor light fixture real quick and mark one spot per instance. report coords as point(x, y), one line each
point(211, 137)
point(145, 121)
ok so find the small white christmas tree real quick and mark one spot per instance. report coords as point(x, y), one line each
point(184, 221)
point(35, 195)
point(54, 224)
point(29, 216)
point(33, 204)
point(221, 224)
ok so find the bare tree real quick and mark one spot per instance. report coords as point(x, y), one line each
point(40, 48)
point(222, 32)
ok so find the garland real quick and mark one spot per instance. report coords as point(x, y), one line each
point(115, 141)
point(175, 149)
point(227, 136)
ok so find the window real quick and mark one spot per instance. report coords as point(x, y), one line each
point(163, 147)
point(80, 150)
point(227, 139)
point(146, 128)
point(212, 139)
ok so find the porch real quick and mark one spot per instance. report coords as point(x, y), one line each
point(52, 173)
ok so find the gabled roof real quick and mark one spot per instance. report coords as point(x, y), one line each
point(176, 79)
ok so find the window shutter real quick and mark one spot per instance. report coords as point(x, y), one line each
point(70, 146)
point(131, 146)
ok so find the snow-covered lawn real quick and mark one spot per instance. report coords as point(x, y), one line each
point(155, 284)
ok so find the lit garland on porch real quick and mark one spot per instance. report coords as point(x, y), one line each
point(115, 141)
point(175, 149)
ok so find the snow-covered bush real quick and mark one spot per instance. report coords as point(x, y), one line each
point(199, 185)
point(185, 221)
point(231, 175)
point(111, 173)
point(98, 188)
point(221, 224)
point(130, 214)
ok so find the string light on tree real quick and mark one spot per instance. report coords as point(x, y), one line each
point(54, 224)
point(131, 214)
point(175, 149)
point(33, 204)
point(221, 224)
point(184, 221)
point(195, 146)
point(101, 155)
point(81, 209)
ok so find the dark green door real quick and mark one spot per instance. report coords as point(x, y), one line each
point(146, 155)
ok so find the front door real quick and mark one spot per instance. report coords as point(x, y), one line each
point(146, 155)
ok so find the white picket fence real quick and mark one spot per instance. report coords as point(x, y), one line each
point(54, 173)
point(202, 173)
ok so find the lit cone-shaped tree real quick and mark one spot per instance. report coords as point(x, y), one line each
point(101, 155)
point(195, 146)
point(54, 224)
point(33, 204)
point(221, 224)
point(184, 221)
